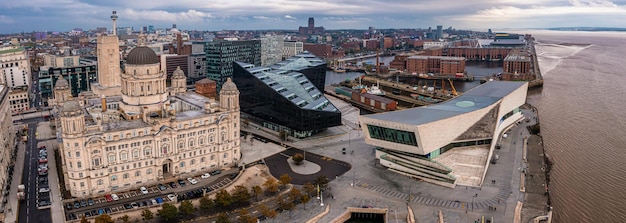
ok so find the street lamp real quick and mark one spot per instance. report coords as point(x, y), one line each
point(476, 195)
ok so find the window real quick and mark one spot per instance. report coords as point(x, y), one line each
point(235, 135)
point(201, 141)
point(125, 176)
point(182, 164)
point(211, 138)
point(124, 156)
point(149, 171)
point(147, 152)
point(181, 145)
point(80, 175)
point(100, 182)
point(193, 161)
point(77, 154)
point(121, 135)
point(96, 161)
point(202, 160)
point(82, 184)
point(136, 153)
point(164, 149)
point(69, 154)
point(191, 142)
point(111, 158)
point(225, 155)
point(114, 178)
point(78, 164)
point(138, 173)
point(223, 136)
point(212, 157)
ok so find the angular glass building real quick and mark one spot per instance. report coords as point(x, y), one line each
point(283, 99)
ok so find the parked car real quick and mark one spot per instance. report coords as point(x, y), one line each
point(192, 181)
point(68, 206)
point(172, 184)
point(128, 206)
point(115, 197)
point(108, 197)
point(76, 204)
point(206, 175)
point(172, 197)
point(143, 190)
point(83, 203)
point(216, 172)
point(134, 205)
point(89, 201)
point(162, 187)
point(181, 182)
point(108, 210)
point(232, 176)
point(159, 200)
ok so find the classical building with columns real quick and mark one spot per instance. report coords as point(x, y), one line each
point(148, 133)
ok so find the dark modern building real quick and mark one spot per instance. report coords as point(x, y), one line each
point(79, 79)
point(308, 64)
point(220, 55)
point(284, 100)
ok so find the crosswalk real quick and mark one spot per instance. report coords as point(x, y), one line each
point(503, 193)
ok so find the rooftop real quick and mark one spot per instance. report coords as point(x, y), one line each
point(472, 100)
point(436, 57)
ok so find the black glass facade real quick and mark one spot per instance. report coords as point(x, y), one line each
point(220, 55)
point(392, 135)
point(79, 79)
point(267, 105)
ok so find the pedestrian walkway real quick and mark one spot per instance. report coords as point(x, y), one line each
point(10, 215)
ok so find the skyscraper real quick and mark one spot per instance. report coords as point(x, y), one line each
point(221, 53)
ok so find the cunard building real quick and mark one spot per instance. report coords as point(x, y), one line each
point(145, 134)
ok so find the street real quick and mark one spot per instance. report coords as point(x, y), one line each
point(28, 211)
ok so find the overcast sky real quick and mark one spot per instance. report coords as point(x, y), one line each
point(63, 15)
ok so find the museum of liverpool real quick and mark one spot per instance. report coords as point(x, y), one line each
point(449, 143)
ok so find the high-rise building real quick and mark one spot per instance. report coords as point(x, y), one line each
point(439, 32)
point(271, 49)
point(108, 52)
point(311, 29)
point(148, 133)
point(292, 48)
point(7, 142)
point(283, 99)
point(221, 53)
point(79, 78)
point(15, 67)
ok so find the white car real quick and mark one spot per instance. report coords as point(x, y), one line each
point(192, 181)
point(172, 197)
point(206, 175)
point(115, 197)
point(143, 190)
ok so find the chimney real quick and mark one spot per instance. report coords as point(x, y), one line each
point(104, 103)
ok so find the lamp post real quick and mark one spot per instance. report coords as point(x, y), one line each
point(475, 195)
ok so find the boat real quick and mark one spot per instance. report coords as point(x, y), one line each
point(340, 70)
point(375, 90)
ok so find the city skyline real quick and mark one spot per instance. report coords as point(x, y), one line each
point(57, 15)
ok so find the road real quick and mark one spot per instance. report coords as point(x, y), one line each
point(28, 211)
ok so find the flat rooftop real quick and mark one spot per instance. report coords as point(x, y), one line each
point(472, 100)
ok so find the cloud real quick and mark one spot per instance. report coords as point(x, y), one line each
point(190, 15)
point(290, 17)
point(259, 17)
point(6, 20)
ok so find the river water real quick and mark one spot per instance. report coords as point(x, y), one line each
point(581, 108)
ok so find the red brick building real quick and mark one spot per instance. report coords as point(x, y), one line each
point(517, 62)
point(320, 50)
point(472, 53)
point(435, 64)
point(207, 88)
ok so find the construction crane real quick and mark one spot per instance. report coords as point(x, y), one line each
point(452, 86)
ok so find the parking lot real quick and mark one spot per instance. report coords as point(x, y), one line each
point(135, 200)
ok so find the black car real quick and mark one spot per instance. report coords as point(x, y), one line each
point(87, 214)
point(181, 182)
point(232, 176)
point(68, 206)
point(172, 184)
point(94, 213)
point(83, 203)
point(216, 172)
point(76, 204)
point(128, 206)
point(108, 210)
point(71, 216)
point(162, 187)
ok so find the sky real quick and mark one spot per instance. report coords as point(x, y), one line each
point(213, 15)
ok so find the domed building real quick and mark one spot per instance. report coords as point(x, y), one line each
point(146, 134)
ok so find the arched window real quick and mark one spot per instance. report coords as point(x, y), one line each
point(200, 141)
point(147, 151)
point(100, 182)
point(114, 178)
point(212, 157)
point(137, 173)
point(149, 171)
point(223, 136)
point(135, 153)
point(125, 176)
point(202, 160)
point(181, 145)
point(182, 164)
point(211, 138)
point(164, 149)
point(191, 142)
point(225, 155)
point(193, 161)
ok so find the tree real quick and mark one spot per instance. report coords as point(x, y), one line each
point(322, 181)
point(147, 214)
point(206, 204)
point(267, 212)
point(84, 220)
point(244, 217)
point(104, 218)
point(298, 158)
point(305, 199)
point(271, 186)
point(168, 212)
point(241, 195)
point(186, 209)
point(284, 180)
point(256, 190)
point(223, 199)
point(222, 218)
point(282, 204)
point(309, 188)
point(124, 218)
point(295, 195)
